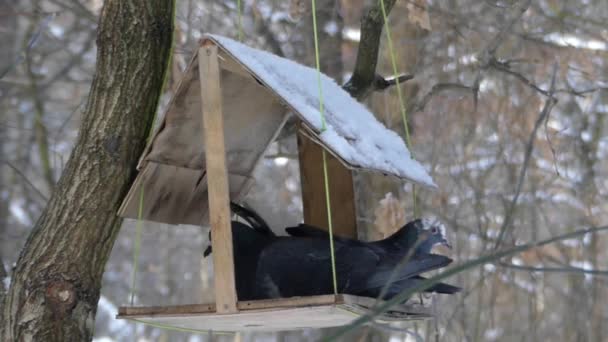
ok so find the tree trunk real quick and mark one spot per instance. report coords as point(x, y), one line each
point(57, 280)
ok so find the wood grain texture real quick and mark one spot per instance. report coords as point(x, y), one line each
point(217, 175)
point(313, 189)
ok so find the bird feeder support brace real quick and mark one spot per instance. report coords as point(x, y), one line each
point(217, 174)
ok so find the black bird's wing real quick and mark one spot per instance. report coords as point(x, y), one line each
point(306, 230)
point(397, 287)
point(302, 267)
point(383, 273)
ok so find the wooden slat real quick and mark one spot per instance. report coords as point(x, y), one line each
point(140, 311)
point(342, 194)
point(217, 174)
point(293, 302)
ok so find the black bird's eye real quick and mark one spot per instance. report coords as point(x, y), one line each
point(434, 230)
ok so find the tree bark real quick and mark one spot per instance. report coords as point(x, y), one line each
point(57, 280)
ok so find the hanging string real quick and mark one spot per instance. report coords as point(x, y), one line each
point(240, 20)
point(323, 128)
point(137, 243)
point(400, 96)
point(139, 224)
point(181, 329)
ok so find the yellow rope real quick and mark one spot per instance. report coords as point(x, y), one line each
point(323, 128)
point(408, 140)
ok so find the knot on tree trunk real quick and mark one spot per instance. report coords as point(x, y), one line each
point(61, 296)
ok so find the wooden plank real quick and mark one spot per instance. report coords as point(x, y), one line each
point(290, 302)
point(217, 174)
point(342, 195)
point(274, 314)
point(139, 311)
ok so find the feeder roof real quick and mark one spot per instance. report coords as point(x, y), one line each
point(259, 90)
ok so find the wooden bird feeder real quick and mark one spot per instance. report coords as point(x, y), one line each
point(229, 107)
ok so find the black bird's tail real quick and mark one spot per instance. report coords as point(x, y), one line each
point(439, 287)
point(255, 220)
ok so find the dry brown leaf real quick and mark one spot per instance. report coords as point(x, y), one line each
point(418, 14)
point(390, 216)
point(298, 8)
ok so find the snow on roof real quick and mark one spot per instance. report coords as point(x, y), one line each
point(351, 131)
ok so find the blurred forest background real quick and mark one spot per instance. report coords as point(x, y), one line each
point(483, 118)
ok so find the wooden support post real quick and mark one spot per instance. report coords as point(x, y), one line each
point(217, 178)
point(342, 195)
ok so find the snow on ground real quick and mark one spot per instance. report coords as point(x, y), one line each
point(351, 129)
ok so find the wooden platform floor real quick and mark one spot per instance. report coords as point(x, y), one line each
point(271, 314)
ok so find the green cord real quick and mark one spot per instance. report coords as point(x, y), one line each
point(137, 243)
point(240, 20)
point(321, 107)
point(329, 221)
point(323, 128)
point(408, 141)
point(180, 329)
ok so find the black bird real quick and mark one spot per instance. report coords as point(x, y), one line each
point(248, 242)
point(404, 239)
point(301, 266)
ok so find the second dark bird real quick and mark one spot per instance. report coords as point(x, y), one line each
point(301, 265)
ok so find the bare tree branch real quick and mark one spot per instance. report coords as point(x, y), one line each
point(544, 114)
point(27, 181)
point(361, 82)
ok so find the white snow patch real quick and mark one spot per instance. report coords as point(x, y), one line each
point(104, 306)
point(351, 34)
point(280, 161)
point(103, 339)
point(351, 129)
point(584, 265)
point(489, 268)
point(20, 214)
point(492, 334)
point(331, 28)
point(576, 42)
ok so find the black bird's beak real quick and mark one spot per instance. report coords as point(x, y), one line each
point(207, 251)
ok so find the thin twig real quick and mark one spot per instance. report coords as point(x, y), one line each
point(492, 46)
point(438, 88)
point(27, 181)
point(497, 65)
point(549, 103)
point(553, 269)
